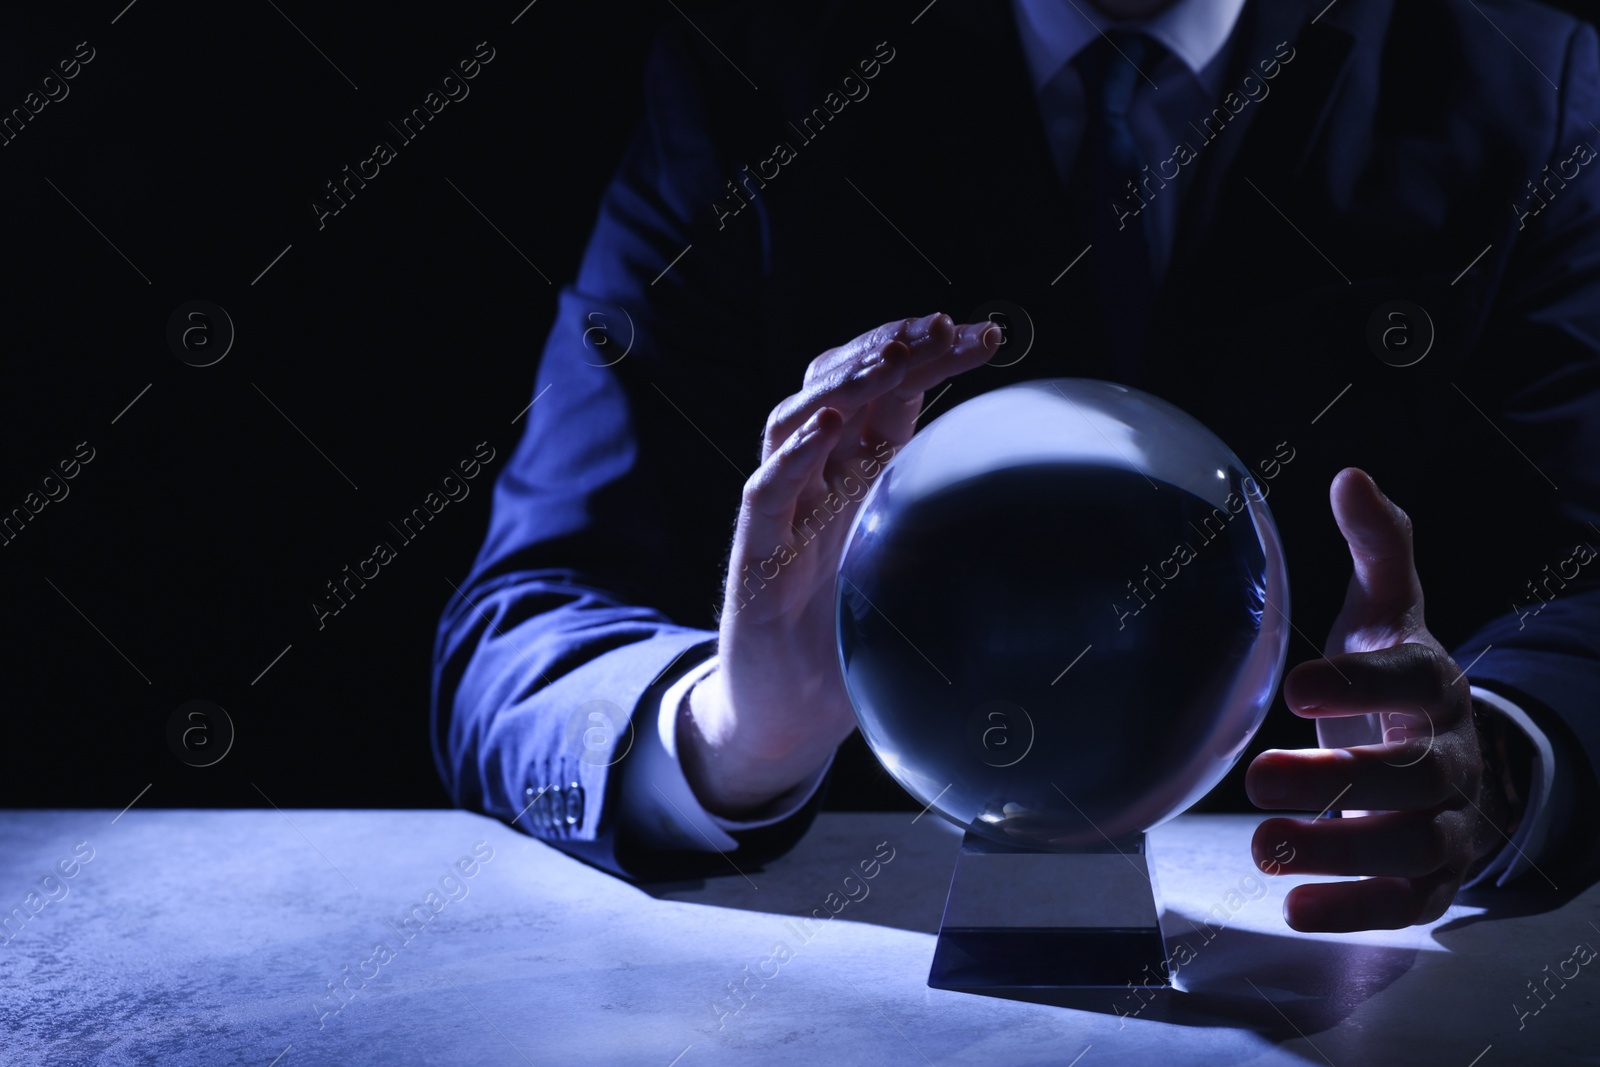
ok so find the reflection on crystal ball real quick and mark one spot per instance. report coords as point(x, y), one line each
point(1063, 613)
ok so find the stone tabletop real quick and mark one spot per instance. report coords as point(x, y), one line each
point(438, 937)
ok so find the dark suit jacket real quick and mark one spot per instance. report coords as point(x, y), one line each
point(1388, 159)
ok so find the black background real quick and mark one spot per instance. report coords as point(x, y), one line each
point(396, 338)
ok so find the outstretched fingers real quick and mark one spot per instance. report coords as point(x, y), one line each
point(876, 381)
point(1370, 904)
point(772, 494)
point(893, 416)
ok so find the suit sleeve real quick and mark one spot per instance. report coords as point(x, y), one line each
point(612, 515)
point(1544, 654)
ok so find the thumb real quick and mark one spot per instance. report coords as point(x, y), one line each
point(1384, 589)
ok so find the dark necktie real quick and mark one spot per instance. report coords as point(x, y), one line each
point(1110, 214)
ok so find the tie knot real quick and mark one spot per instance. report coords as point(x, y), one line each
point(1112, 67)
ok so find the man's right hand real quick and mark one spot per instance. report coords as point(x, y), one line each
point(776, 707)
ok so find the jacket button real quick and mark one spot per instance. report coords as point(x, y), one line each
point(536, 810)
point(553, 805)
point(574, 804)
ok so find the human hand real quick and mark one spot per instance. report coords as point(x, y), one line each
point(775, 707)
point(1419, 822)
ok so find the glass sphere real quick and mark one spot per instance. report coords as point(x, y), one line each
point(1062, 613)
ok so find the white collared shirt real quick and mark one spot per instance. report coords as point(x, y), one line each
point(1053, 32)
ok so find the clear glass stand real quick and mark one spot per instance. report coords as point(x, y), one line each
point(1022, 918)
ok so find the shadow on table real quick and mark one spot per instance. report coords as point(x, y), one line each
point(1280, 985)
point(914, 910)
point(1509, 904)
point(907, 892)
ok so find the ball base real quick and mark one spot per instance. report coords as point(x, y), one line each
point(1019, 918)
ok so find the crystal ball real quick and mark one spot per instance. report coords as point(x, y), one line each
point(1062, 612)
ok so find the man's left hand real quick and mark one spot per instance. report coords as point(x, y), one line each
point(1415, 792)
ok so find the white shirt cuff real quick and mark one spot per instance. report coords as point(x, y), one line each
point(657, 802)
point(1530, 836)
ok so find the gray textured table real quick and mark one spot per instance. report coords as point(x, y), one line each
point(204, 937)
